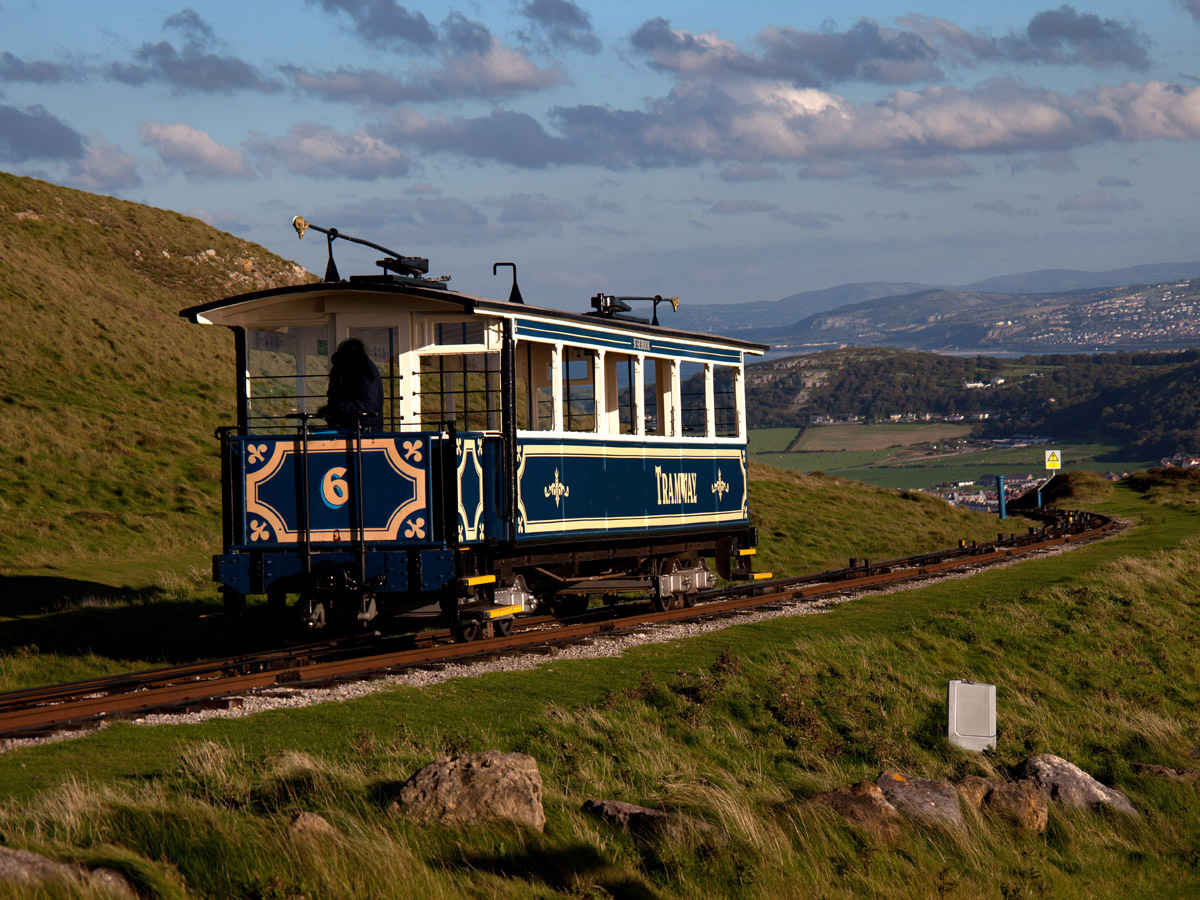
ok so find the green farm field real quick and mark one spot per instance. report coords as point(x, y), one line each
point(902, 457)
point(878, 437)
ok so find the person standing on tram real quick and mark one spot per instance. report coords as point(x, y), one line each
point(355, 388)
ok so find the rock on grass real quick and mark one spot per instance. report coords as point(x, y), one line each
point(930, 802)
point(1066, 783)
point(863, 805)
point(475, 788)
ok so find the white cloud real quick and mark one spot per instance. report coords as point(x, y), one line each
point(193, 152)
point(321, 152)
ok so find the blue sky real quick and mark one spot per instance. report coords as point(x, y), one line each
point(718, 151)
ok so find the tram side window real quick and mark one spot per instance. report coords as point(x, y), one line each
point(693, 403)
point(619, 393)
point(448, 334)
point(579, 389)
point(656, 383)
point(287, 372)
point(725, 410)
point(463, 388)
point(533, 386)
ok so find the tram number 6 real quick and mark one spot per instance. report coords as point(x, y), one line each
point(334, 490)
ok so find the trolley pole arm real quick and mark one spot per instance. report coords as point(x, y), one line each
point(405, 265)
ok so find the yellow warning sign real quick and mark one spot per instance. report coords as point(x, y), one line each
point(1053, 460)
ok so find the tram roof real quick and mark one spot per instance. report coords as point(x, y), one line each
point(236, 311)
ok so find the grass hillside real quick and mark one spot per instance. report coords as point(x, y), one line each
point(810, 523)
point(108, 399)
point(1092, 653)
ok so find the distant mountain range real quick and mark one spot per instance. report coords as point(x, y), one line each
point(969, 316)
point(1045, 281)
point(1165, 315)
point(727, 318)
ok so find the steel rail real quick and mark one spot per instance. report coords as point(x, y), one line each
point(39, 710)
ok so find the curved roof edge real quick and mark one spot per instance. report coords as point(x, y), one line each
point(468, 302)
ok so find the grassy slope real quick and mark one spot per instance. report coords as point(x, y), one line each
point(108, 399)
point(810, 523)
point(1093, 653)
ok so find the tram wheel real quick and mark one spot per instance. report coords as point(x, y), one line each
point(502, 627)
point(313, 613)
point(661, 602)
point(465, 632)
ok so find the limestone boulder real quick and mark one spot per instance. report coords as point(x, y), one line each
point(1020, 802)
point(975, 788)
point(21, 867)
point(863, 805)
point(1065, 783)
point(475, 788)
point(929, 802)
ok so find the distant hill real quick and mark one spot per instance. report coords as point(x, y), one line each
point(108, 399)
point(1045, 281)
point(730, 318)
point(797, 321)
point(1131, 317)
point(1149, 402)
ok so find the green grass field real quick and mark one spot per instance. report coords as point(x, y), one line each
point(891, 459)
point(1092, 652)
point(878, 437)
point(771, 440)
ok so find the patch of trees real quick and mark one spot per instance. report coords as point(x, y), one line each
point(1148, 402)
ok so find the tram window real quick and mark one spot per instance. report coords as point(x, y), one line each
point(579, 389)
point(693, 403)
point(619, 393)
point(533, 387)
point(287, 371)
point(447, 334)
point(656, 382)
point(463, 388)
point(725, 410)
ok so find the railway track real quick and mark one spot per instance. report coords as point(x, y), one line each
point(38, 711)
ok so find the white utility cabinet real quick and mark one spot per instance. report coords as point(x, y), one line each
point(971, 715)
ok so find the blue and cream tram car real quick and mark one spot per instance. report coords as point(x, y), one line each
point(528, 458)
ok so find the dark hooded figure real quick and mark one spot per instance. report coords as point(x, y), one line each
point(354, 387)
